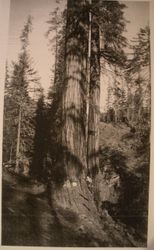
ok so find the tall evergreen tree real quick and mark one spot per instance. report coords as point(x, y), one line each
point(22, 83)
point(70, 190)
point(107, 44)
point(8, 138)
point(57, 23)
point(112, 25)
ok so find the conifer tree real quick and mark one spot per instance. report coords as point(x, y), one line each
point(23, 82)
point(107, 44)
point(8, 138)
point(57, 23)
point(71, 168)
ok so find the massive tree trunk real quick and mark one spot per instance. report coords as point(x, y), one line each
point(94, 100)
point(71, 199)
point(73, 166)
point(72, 203)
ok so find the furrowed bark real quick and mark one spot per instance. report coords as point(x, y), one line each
point(72, 198)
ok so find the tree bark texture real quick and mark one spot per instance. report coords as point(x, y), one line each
point(71, 199)
point(74, 93)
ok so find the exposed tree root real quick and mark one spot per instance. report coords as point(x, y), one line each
point(76, 211)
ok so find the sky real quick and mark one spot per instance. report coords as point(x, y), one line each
point(39, 49)
point(136, 12)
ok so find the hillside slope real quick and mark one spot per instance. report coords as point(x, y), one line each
point(128, 199)
point(118, 137)
point(123, 206)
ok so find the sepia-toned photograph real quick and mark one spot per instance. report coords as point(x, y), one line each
point(76, 124)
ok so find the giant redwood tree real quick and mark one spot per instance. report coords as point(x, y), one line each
point(70, 194)
point(70, 197)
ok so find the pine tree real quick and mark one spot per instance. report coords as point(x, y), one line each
point(23, 82)
point(57, 26)
point(8, 129)
point(107, 44)
point(110, 16)
point(57, 23)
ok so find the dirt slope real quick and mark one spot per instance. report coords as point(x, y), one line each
point(82, 230)
point(118, 143)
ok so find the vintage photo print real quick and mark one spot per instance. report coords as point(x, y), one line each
point(76, 124)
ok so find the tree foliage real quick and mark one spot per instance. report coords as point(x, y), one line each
point(20, 103)
point(112, 26)
point(138, 75)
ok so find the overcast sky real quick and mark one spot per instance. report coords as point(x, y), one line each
point(136, 12)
